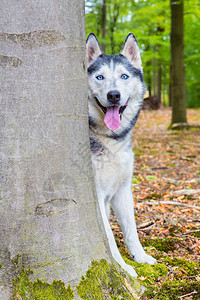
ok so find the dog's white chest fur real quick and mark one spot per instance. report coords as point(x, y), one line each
point(113, 167)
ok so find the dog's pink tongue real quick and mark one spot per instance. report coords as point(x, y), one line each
point(112, 117)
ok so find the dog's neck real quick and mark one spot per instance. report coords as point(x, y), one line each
point(102, 142)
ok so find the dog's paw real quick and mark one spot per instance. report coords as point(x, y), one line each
point(129, 269)
point(145, 259)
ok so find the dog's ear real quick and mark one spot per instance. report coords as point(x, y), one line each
point(92, 48)
point(131, 51)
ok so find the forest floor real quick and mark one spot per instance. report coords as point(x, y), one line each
point(166, 191)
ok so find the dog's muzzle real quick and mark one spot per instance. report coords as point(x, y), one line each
point(104, 109)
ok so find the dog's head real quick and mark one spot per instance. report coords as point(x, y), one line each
point(115, 82)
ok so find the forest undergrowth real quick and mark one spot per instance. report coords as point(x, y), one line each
point(166, 191)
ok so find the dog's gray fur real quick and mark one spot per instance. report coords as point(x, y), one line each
point(115, 83)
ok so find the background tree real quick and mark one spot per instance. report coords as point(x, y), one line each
point(178, 90)
point(48, 203)
point(103, 24)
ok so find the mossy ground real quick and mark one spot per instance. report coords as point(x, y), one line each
point(171, 277)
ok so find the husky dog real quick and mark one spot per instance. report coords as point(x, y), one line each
point(116, 91)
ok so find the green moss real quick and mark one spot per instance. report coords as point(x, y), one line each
point(165, 244)
point(150, 272)
point(138, 152)
point(171, 165)
point(190, 267)
point(39, 290)
point(150, 177)
point(135, 180)
point(103, 281)
point(172, 290)
point(196, 234)
point(154, 195)
point(150, 275)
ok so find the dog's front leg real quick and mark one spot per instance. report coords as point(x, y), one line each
point(112, 244)
point(122, 204)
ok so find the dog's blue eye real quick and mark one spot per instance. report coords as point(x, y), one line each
point(100, 77)
point(124, 76)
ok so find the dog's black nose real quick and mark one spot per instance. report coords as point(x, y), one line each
point(113, 97)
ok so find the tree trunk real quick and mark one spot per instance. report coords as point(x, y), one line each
point(49, 221)
point(159, 78)
point(178, 90)
point(113, 20)
point(103, 46)
point(154, 77)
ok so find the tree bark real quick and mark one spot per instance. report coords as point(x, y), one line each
point(178, 90)
point(48, 200)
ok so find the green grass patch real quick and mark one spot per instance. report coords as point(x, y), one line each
point(135, 180)
point(161, 244)
point(151, 273)
point(196, 234)
point(154, 196)
point(138, 152)
point(190, 267)
point(144, 167)
point(172, 165)
point(151, 177)
point(172, 290)
point(156, 278)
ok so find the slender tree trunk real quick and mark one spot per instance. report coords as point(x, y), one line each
point(154, 77)
point(159, 69)
point(113, 21)
point(149, 80)
point(159, 79)
point(170, 88)
point(148, 73)
point(103, 46)
point(178, 90)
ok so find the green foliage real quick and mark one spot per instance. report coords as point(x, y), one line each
point(25, 289)
point(150, 22)
point(192, 52)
